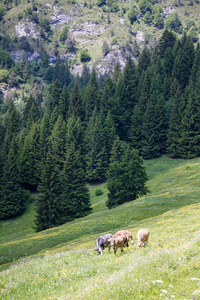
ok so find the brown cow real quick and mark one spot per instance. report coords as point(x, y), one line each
point(127, 233)
point(142, 237)
point(119, 242)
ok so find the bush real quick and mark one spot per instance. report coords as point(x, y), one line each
point(84, 55)
point(63, 34)
point(144, 6)
point(114, 41)
point(132, 15)
point(4, 75)
point(98, 192)
point(173, 23)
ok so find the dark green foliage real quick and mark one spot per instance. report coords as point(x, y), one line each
point(173, 22)
point(57, 142)
point(6, 60)
point(91, 99)
point(136, 129)
point(167, 40)
point(48, 205)
point(30, 160)
point(12, 196)
point(63, 34)
point(190, 125)
point(96, 160)
point(2, 12)
point(75, 105)
point(84, 55)
point(55, 95)
point(31, 112)
point(174, 132)
point(132, 14)
point(126, 178)
point(64, 103)
point(75, 199)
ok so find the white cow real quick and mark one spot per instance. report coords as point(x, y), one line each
point(142, 237)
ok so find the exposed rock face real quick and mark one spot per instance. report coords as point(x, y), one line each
point(20, 54)
point(27, 28)
point(169, 9)
point(140, 37)
point(60, 18)
point(117, 54)
point(88, 28)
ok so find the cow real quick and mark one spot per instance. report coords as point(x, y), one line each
point(102, 242)
point(127, 233)
point(142, 237)
point(119, 241)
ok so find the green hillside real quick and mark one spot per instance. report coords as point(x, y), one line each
point(60, 263)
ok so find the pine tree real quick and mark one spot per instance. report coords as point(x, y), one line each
point(126, 179)
point(29, 159)
point(13, 197)
point(95, 149)
point(55, 96)
point(76, 106)
point(47, 206)
point(57, 142)
point(174, 132)
point(136, 129)
point(109, 135)
point(190, 126)
point(31, 112)
point(91, 99)
point(75, 199)
point(117, 73)
point(167, 40)
point(127, 97)
point(64, 103)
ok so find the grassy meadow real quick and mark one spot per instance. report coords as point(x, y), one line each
point(60, 263)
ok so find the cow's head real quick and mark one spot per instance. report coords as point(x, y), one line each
point(99, 250)
point(111, 241)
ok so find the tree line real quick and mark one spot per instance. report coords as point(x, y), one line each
point(91, 130)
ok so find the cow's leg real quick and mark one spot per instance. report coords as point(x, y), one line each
point(109, 248)
point(122, 249)
point(115, 250)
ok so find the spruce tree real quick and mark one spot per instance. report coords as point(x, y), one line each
point(96, 160)
point(64, 103)
point(13, 197)
point(76, 106)
point(57, 142)
point(126, 179)
point(55, 95)
point(47, 206)
point(75, 199)
point(190, 126)
point(31, 112)
point(91, 99)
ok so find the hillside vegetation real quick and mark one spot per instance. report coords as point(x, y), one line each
point(60, 263)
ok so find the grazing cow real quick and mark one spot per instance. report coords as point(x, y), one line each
point(119, 242)
point(127, 233)
point(142, 237)
point(103, 242)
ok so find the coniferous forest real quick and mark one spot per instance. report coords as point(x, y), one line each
point(88, 129)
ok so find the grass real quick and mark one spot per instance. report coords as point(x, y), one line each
point(60, 263)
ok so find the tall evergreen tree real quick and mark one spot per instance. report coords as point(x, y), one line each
point(75, 199)
point(57, 142)
point(174, 132)
point(12, 196)
point(29, 159)
point(76, 105)
point(47, 205)
point(126, 179)
point(91, 99)
point(64, 103)
point(55, 96)
point(31, 112)
point(95, 149)
point(190, 125)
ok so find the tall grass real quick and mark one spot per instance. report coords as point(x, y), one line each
point(60, 263)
